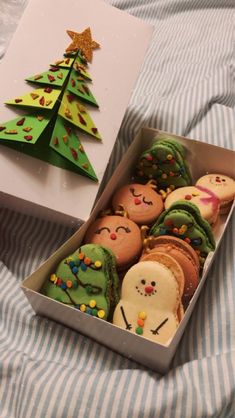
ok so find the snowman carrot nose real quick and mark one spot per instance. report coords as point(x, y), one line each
point(137, 201)
point(148, 289)
point(113, 236)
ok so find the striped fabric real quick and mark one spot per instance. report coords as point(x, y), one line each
point(48, 371)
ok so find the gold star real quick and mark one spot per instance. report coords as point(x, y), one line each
point(82, 42)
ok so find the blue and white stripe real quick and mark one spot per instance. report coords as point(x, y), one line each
point(186, 86)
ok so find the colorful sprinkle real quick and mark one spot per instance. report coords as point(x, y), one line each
point(101, 313)
point(139, 330)
point(92, 303)
point(98, 264)
point(69, 283)
point(142, 315)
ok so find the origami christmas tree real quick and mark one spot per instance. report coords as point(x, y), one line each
point(56, 110)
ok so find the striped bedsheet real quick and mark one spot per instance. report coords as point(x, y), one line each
point(186, 86)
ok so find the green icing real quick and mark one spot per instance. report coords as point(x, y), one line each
point(186, 213)
point(88, 282)
point(164, 162)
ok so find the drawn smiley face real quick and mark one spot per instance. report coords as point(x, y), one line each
point(142, 203)
point(119, 234)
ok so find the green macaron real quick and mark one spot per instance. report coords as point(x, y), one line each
point(164, 162)
point(86, 280)
point(183, 220)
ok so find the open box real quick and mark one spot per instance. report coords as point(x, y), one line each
point(201, 158)
point(30, 184)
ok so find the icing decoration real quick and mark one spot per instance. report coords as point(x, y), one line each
point(164, 162)
point(183, 220)
point(54, 100)
point(79, 283)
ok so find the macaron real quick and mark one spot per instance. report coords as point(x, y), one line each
point(184, 254)
point(222, 186)
point(206, 201)
point(183, 220)
point(141, 202)
point(119, 234)
point(165, 162)
point(150, 300)
point(86, 280)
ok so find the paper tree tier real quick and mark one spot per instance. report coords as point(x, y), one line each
point(43, 98)
point(65, 141)
point(55, 76)
point(77, 86)
point(66, 153)
point(73, 111)
point(25, 128)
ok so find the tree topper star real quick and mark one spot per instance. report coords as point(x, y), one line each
point(82, 42)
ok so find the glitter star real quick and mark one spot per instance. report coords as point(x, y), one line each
point(82, 42)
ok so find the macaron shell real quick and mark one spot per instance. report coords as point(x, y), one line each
point(171, 263)
point(177, 243)
point(119, 234)
point(206, 201)
point(142, 203)
point(191, 272)
point(222, 186)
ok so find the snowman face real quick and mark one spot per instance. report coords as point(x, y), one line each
point(146, 287)
point(219, 181)
point(151, 284)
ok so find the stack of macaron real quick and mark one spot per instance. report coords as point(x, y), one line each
point(151, 245)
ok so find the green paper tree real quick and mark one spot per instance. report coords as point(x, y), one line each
point(56, 110)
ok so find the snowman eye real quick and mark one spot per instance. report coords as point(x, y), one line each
point(223, 180)
point(143, 281)
point(147, 202)
point(153, 283)
point(134, 194)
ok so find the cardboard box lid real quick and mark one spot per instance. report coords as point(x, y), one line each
point(40, 40)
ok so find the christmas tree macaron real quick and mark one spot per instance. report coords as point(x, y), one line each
point(86, 280)
point(183, 220)
point(165, 163)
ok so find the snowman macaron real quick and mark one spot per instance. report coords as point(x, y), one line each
point(150, 301)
